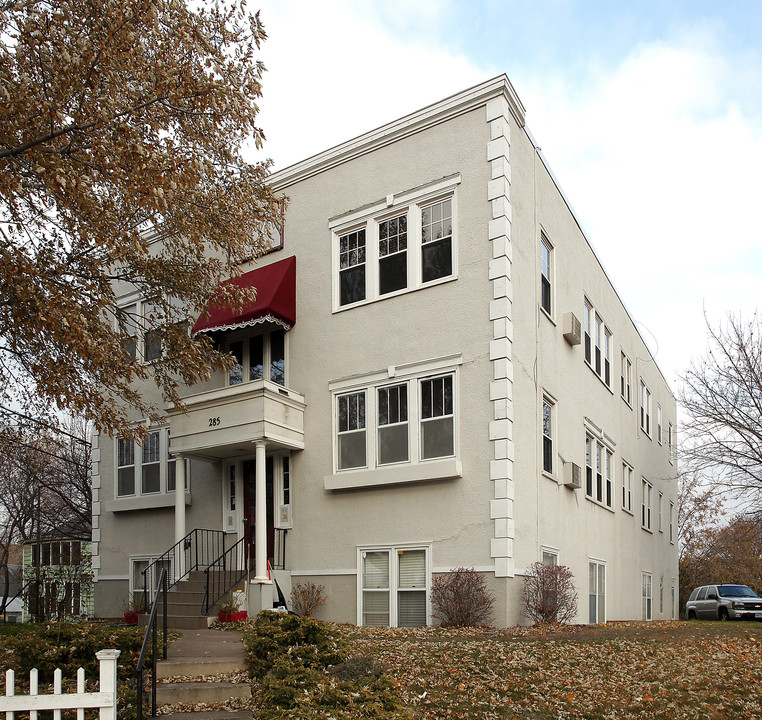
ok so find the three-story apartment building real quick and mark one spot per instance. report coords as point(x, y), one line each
point(436, 373)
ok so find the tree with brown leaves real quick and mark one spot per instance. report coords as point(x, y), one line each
point(122, 128)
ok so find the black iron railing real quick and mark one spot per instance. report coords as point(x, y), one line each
point(226, 572)
point(196, 551)
point(152, 632)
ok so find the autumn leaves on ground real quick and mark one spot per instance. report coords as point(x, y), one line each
point(621, 670)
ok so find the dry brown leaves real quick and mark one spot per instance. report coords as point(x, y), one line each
point(623, 670)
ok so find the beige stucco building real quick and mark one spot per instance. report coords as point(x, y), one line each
point(437, 373)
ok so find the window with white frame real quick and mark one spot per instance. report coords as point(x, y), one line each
point(546, 268)
point(670, 442)
point(549, 557)
point(658, 424)
point(351, 436)
point(145, 467)
point(402, 243)
point(627, 487)
point(141, 322)
point(645, 504)
point(661, 502)
point(138, 575)
point(394, 587)
point(626, 371)
point(598, 344)
point(257, 356)
point(645, 408)
point(547, 435)
point(596, 592)
point(400, 417)
point(647, 610)
point(599, 470)
point(671, 522)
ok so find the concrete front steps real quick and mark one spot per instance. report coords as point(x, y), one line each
point(185, 600)
point(213, 655)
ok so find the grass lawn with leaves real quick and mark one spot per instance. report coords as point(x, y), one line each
point(664, 670)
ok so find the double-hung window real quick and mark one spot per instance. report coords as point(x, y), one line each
point(547, 435)
point(352, 267)
point(596, 592)
point(599, 471)
point(646, 596)
point(257, 357)
point(352, 444)
point(140, 321)
point(145, 467)
point(394, 587)
point(437, 417)
point(626, 487)
point(598, 343)
point(392, 255)
point(399, 420)
point(626, 370)
point(645, 408)
point(546, 286)
point(401, 243)
point(645, 504)
point(393, 434)
point(658, 424)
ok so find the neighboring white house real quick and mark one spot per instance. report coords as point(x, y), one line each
point(436, 373)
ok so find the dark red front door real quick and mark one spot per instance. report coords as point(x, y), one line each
point(249, 488)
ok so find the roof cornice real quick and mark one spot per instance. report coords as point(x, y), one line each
point(415, 122)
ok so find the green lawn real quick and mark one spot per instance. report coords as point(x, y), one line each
point(621, 670)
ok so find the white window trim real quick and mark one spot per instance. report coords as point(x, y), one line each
point(659, 424)
point(545, 241)
point(163, 431)
point(393, 577)
point(149, 559)
point(603, 341)
point(550, 400)
point(647, 600)
point(646, 502)
point(626, 376)
point(547, 550)
point(645, 408)
point(600, 439)
point(416, 468)
point(626, 485)
point(243, 336)
point(661, 512)
point(598, 564)
point(140, 304)
point(671, 522)
point(409, 202)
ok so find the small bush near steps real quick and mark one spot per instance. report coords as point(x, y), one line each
point(306, 598)
point(304, 672)
point(460, 598)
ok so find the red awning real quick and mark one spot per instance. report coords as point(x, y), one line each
point(276, 300)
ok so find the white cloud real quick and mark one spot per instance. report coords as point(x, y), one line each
point(335, 71)
point(661, 165)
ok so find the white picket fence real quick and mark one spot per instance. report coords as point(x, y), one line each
point(105, 698)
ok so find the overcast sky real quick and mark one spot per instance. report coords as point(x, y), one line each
point(649, 114)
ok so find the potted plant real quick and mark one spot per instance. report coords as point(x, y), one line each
point(132, 607)
point(228, 611)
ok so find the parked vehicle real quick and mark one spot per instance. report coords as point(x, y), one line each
point(723, 602)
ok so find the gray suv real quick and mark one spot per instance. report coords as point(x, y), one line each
point(723, 602)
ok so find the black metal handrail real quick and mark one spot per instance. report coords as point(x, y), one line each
point(226, 572)
point(229, 569)
point(152, 631)
point(195, 551)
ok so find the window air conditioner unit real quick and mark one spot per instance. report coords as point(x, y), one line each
point(572, 329)
point(573, 476)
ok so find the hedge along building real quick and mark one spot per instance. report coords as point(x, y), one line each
point(436, 373)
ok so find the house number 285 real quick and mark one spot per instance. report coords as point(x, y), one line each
point(214, 422)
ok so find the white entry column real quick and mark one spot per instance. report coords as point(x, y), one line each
point(179, 515)
point(260, 513)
